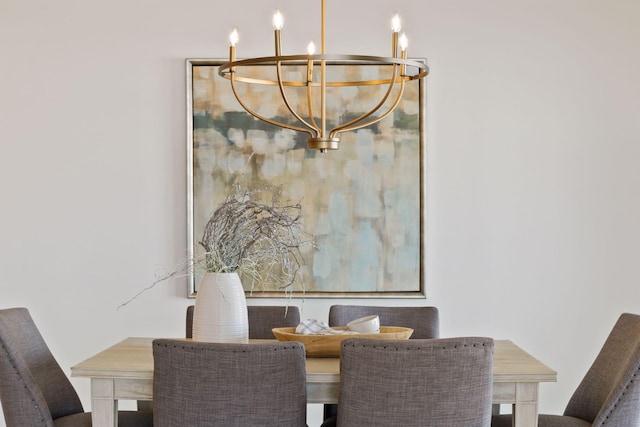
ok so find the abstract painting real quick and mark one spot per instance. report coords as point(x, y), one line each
point(364, 204)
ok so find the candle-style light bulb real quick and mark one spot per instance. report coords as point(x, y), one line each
point(233, 37)
point(404, 42)
point(278, 20)
point(395, 23)
point(311, 48)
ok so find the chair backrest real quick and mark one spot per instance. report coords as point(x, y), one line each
point(414, 383)
point(33, 388)
point(261, 319)
point(220, 384)
point(423, 320)
point(609, 394)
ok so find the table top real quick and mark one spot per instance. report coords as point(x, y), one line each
point(132, 358)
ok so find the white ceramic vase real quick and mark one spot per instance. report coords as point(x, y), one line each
point(220, 313)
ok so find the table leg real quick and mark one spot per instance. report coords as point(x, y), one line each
point(104, 405)
point(525, 408)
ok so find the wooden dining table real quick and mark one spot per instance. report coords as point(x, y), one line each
point(124, 371)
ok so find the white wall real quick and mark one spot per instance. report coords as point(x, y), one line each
point(533, 207)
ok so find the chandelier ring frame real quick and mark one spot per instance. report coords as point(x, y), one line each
point(229, 70)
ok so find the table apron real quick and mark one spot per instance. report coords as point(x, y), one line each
point(513, 393)
point(322, 392)
point(124, 388)
point(318, 392)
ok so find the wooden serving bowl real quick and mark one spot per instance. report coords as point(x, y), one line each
point(329, 345)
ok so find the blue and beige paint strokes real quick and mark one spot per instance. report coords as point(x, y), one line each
point(361, 203)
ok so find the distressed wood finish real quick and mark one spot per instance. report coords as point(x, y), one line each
point(125, 371)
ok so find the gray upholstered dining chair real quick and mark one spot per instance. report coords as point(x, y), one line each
point(425, 322)
point(609, 394)
point(221, 384)
point(262, 318)
point(33, 388)
point(414, 383)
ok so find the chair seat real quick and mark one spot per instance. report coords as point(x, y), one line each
point(543, 421)
point(125, 419)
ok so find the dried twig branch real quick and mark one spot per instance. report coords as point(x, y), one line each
point(260, 241)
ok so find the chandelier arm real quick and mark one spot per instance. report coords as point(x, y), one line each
point(310, 108)
point(312, 118)
point(340, 128)
point(260, 117)
point(336, 131)
point(286, 102)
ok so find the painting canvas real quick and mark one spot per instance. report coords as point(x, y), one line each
point(364, 204)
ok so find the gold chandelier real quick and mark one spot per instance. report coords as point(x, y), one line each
point(400, 70)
